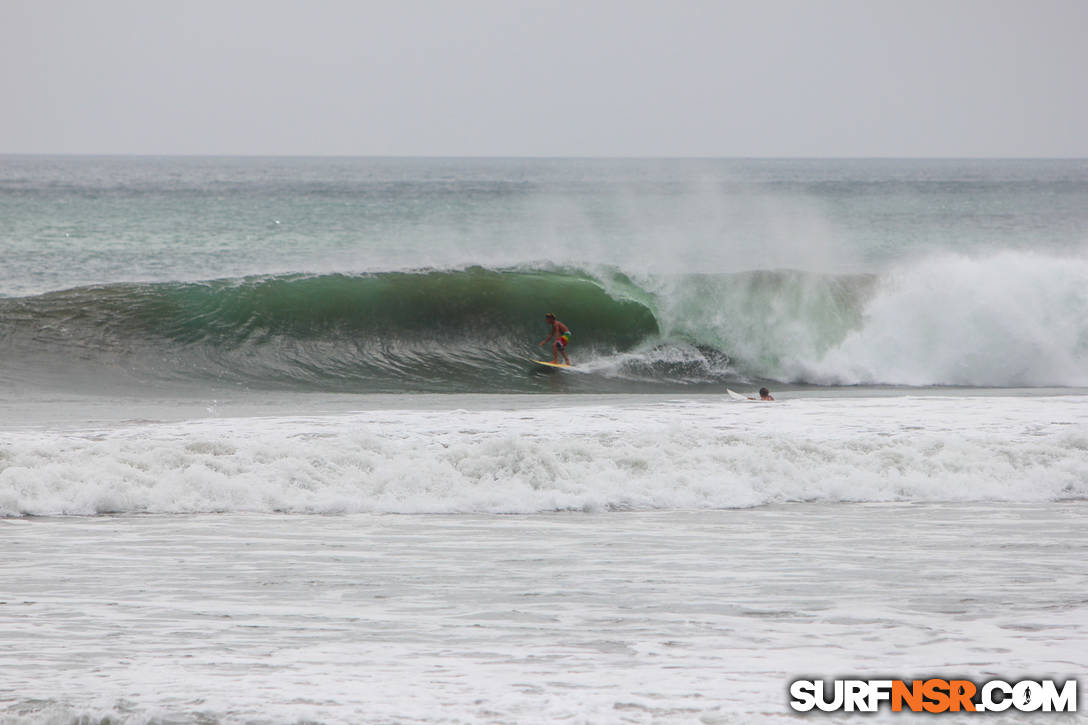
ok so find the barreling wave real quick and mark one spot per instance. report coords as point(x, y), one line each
point(460, 330)
point(1010, 320)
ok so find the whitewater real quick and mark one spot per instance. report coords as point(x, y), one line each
point(272, 449)
point(518, 457)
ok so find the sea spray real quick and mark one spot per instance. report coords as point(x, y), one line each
point(1009, 319)
point(1006, 320)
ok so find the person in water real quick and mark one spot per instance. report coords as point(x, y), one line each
point(764, 394)
point(561, 333)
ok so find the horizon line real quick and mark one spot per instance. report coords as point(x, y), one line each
point(572, 157)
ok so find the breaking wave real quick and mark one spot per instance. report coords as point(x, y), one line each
point(663, 455)
point(1013, 319)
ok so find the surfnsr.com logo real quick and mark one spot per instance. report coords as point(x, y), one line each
point(933, 695)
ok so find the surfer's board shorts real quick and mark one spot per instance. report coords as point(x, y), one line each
point(563, 340)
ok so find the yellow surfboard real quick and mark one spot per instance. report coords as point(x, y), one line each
point(551, 364)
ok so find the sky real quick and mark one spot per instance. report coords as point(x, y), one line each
point(759, 78)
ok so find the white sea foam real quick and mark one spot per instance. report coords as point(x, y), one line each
point(649, 617)
point(660, 455)
point(1009, 319)
point(1005, 319)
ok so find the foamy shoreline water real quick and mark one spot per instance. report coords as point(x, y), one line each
point(210, 515)
point(677, 616)
point(653, 454)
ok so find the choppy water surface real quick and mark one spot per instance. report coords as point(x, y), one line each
point(673, 616)
point(272, 450)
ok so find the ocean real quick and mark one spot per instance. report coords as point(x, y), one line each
point(273, 449)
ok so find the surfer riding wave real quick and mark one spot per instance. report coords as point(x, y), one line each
point(561, 333)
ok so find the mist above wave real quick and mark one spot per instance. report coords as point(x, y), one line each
point(1012, 319)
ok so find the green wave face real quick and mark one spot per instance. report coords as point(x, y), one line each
point(768, 322)
point(475, 330)
point(438, 330)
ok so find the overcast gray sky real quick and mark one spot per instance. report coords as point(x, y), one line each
point(520, 78)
